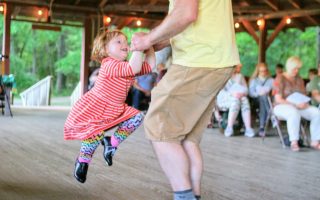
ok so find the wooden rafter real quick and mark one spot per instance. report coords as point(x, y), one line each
point(76, 2)
point(298, 24)
point(276, 31)
point(249, 28)
point(153, 2)
point(272, 4)
point(125, 22)
point(312, 20)
point(295, 4)
point(103, 3)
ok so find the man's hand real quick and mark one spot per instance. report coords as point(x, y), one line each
point(140, 42)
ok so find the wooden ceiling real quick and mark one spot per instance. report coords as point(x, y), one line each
point(303, 13)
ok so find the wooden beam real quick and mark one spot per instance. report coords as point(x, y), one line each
point(247, 25)
point(272, 4)
point(295, 4)
point(6, 39)
point(312, 20)
point(103, 3)
point(280, 14)
point(85, 56)
point(153, 2)
point(247, 3)
point(124, 22)
point(136, 8)
point(276, 31)
point(77, 2)
point(46, 27)
point(262, 42)
point(108, 8)
point(299, 25)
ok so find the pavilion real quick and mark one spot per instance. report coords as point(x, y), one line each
point(255, 17)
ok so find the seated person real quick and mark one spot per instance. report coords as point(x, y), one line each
point(315, 89)
point(278, 70)
point(259, 89)
point(93, 77)
point(141, 91)
point(237, 99)
point(312, 73)
point(161, 70)
point(285, 85)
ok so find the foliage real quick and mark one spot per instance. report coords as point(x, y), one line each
point(292, 42)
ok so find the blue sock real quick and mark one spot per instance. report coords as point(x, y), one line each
point(184, 195)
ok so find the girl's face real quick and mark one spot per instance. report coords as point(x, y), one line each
point(118, 48)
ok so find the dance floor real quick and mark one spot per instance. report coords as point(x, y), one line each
point(37, 164)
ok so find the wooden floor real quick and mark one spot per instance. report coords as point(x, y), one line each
point(36, 163)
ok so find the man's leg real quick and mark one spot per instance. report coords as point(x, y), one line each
point(196, 165)
point(175, 164)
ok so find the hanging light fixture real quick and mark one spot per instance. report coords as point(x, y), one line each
point(1, 8)
point(40, 12)
point(259, 22)
point(106, 19)
point(288, 20)
point(237, 25)
point(139, 23)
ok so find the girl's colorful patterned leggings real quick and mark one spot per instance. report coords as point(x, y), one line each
point(125, 128)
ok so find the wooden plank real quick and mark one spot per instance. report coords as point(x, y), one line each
point(46, 27)
point(39, 165)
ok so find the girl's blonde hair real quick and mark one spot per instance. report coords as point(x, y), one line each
point(256, 71)
point(100, 43)
point(292, 63)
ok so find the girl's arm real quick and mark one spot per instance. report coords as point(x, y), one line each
point(136, 61)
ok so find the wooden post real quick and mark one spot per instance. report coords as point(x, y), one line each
point(85, 57)
point(6, 39)
point(262, 41)
point(318, 39)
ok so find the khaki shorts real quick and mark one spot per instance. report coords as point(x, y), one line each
point(182, 103)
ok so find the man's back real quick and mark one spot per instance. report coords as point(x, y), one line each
point(210, 41)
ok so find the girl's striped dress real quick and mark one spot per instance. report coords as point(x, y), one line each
point(104, 105)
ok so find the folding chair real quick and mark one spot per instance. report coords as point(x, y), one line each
point(276, 124)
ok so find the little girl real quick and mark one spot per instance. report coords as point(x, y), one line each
point(104, 107)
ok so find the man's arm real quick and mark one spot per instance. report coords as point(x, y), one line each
point(184, 13)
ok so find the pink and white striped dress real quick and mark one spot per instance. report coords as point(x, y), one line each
point(104, 105)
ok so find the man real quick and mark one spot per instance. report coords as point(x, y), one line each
point(202, 37)
point(315, 89)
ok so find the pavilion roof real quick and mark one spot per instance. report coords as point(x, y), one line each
point(304, 13)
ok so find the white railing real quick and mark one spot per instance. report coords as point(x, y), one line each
point(38, 94)
point(76, 94)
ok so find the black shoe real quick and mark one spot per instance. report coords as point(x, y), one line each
point(80, 171)
point(109, 150)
